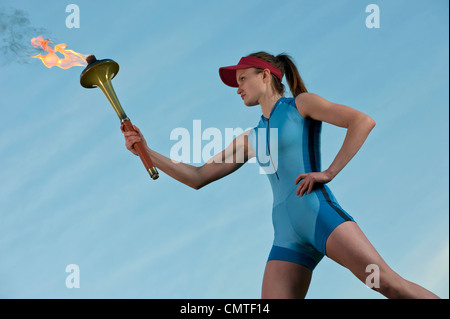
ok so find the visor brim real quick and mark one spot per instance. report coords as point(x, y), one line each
point(228, 74)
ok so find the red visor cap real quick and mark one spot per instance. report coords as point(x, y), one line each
point(228, 73)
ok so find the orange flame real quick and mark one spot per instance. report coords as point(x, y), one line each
point(51, 59)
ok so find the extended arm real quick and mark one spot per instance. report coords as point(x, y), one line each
point(220, 165)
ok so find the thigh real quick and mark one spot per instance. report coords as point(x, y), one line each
point(348, 246)
point(285, 280)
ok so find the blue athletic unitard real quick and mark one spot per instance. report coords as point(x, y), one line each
point(301, 224)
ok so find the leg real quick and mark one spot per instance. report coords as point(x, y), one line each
point(348, 246)
point(285, 280)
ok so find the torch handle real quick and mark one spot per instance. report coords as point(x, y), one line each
point(140, 149)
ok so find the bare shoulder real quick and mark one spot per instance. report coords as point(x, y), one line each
point(305, 101)
point(242, 141)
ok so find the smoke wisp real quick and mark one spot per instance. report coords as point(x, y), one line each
point(15, 34)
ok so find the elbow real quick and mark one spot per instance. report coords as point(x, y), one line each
point(197, 186)
point(198, 181)
point(372, 122)
point(364, 124)
point(369, 122)
point(194, 185)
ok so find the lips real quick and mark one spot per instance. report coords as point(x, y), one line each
point(242, 96)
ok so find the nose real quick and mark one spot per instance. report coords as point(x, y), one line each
point(239, 91)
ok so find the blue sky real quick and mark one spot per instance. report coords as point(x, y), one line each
point(70, 193)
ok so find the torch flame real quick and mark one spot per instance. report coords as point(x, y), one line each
point(51, 59)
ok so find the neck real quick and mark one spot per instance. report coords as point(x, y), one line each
point(267, 103)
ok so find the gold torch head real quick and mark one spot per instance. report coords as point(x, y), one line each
point(99, 73)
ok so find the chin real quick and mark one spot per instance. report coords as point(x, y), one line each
point(251, 103)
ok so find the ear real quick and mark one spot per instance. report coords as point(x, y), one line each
point(266, 75)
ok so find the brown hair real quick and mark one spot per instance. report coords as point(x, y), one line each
point(287, 66)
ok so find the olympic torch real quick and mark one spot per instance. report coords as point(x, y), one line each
point(99, 73)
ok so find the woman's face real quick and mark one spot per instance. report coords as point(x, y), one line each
point(251, 85)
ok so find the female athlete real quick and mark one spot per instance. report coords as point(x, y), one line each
point(308, 221)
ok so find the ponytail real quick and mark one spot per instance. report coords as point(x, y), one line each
point(285, 63)
point(293, 77)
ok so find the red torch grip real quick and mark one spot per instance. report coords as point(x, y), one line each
point(140, 149)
